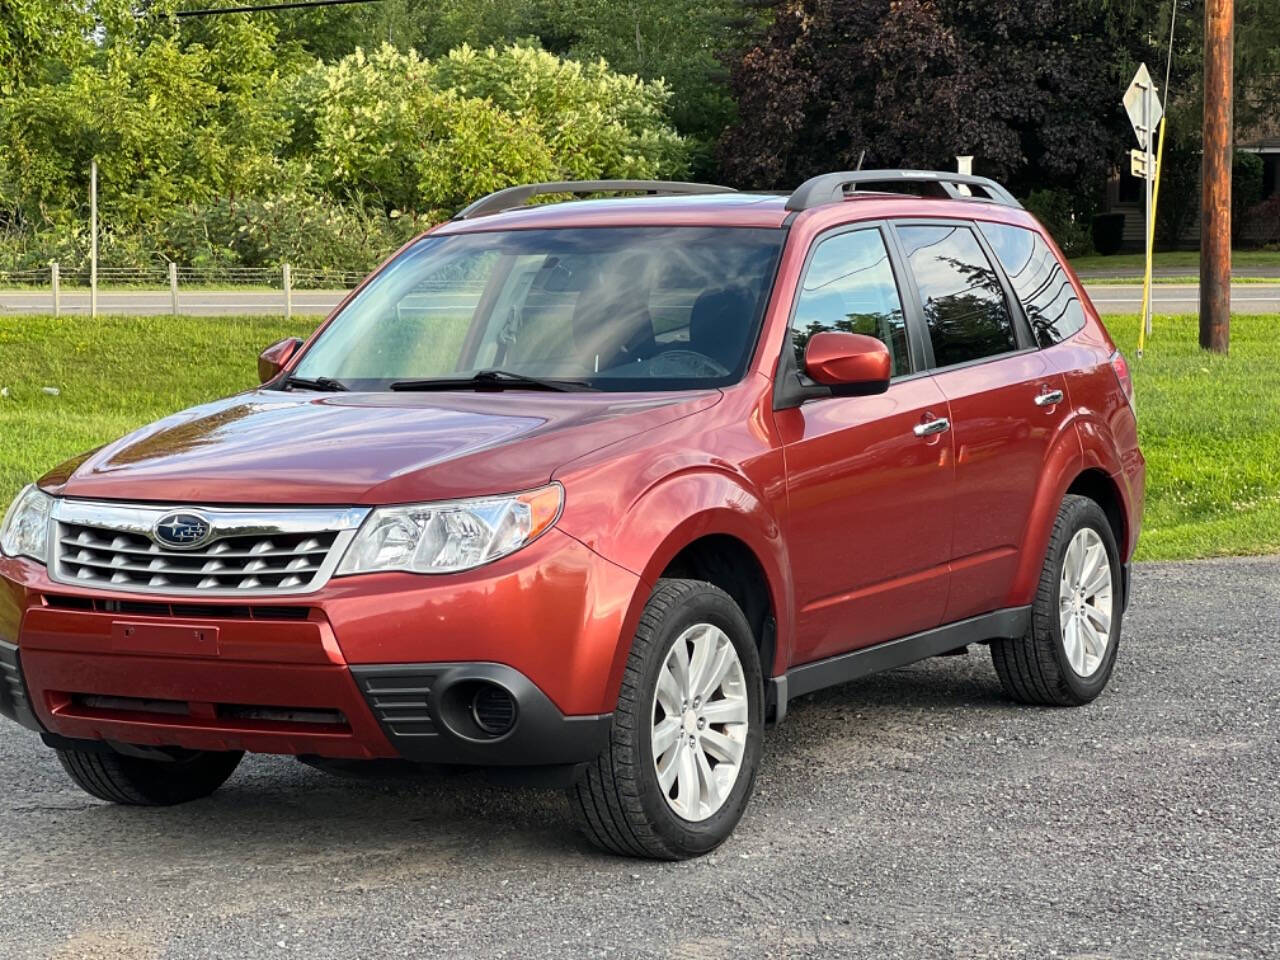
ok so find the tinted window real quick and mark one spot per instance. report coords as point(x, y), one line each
point(963, 301)
point(849, 286)
point(1039, 281)
point(637, 308)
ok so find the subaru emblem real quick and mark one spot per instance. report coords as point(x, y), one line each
point(181, 531)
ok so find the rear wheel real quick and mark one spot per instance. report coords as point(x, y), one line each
point(136, 781)
point(1067, 655)
point(679, 770)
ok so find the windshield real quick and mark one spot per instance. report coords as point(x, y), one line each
point(636, 308)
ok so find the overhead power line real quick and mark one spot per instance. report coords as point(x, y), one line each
point(292, 5)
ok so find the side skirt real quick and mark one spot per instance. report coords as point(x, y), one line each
point(808, 677)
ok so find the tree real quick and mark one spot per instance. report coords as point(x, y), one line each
point(168, 121)
point(220, 142)
point(1257, 98)
point(430, 29)
point(913, 83)
point(426, 136)
point(597, 122)
point(38, 34)
point(681, 42)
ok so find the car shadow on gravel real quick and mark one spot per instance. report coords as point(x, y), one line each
point(951, 683)
point(276, 807)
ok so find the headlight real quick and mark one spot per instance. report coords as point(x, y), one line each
point(450, 536)
point(25, 531)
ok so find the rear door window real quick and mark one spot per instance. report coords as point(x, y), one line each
point(961, 295)
point(1039, 280)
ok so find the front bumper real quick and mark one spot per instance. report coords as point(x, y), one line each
point(427, 713)
point(370, 667)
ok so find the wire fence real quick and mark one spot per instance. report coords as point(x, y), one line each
point(158, 277)
point(194, 290)
point(174, 288)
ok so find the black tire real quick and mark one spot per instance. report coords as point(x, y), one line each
point(1034, 668)
point(617, 801)
point(140, 782)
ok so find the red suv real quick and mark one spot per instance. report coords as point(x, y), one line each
point(597, 488)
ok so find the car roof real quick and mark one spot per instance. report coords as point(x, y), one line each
point(742, 209)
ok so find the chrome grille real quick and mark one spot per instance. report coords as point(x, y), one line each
point(248, 552)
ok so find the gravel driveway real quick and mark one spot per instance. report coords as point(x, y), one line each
point(917, 814)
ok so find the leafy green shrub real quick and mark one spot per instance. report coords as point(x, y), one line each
point(298, 226)
point(384, 129)
point(597, 123)
point(1056, 210)
point(217, 148)
point(1179, 202)
point(1261, 223)
point(1246, 191)
point(428, 137)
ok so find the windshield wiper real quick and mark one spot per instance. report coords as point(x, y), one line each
point(493, 380)
point(326, 384)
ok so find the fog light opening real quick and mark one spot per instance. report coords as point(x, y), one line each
point(493, 709)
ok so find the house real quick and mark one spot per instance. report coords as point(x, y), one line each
point(1125, 192)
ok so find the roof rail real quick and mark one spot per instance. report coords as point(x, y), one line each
point(518, 196)
point(832, 187)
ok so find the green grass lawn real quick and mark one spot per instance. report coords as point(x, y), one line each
point(114, 374)
point(1170, 259)
point(1210, 425)
point(1210, 428)
point(1188, 280)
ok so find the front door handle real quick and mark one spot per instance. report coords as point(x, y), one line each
point(1049, 398)
point(930, 427)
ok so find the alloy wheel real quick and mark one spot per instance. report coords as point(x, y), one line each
point(1085, 602)
point(700, 722)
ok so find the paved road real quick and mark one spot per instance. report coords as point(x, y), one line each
point(1169, 298)
point(1266, 272)
point(198, 303)
point(1183, 298)
point(918, 814)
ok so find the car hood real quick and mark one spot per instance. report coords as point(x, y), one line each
point(272, 447)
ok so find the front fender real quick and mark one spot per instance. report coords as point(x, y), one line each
point(664, 518)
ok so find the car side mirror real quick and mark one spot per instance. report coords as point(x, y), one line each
point(273, 359)
point(851, 364)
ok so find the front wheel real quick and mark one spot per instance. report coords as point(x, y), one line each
point(137, 781)
point(1067, 655)
point(681, 763)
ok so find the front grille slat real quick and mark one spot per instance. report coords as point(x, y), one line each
point(278, 555)
point(210, 568)
point(217, 550)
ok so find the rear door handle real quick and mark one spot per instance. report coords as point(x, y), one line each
point(1049, 398)
point(930, 427)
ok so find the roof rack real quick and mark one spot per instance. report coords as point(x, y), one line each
point(513, 197)
point(832, 187)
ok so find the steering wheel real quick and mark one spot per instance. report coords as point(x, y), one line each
point(685, 363)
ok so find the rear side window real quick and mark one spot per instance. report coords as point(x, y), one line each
point(849, 286)
point(964, 305)
point(1039, 280)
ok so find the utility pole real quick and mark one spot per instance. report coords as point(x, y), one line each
point(1215, 177)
